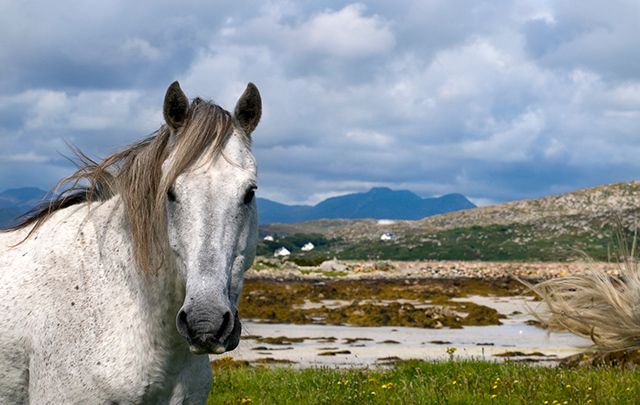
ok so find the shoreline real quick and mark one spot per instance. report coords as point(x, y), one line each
point(268, 269)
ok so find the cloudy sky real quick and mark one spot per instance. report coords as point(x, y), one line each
point(498, 100)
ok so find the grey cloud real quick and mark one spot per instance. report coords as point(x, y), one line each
point(107, 45)
point(598, 36)
point(496, 100)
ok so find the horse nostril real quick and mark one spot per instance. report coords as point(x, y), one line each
point(183, 325)
point(226, 319)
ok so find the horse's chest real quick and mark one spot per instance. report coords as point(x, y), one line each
point(139, 377)
point(119, 358)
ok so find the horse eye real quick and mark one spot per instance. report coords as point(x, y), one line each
point(248, 197)
point(171, 195)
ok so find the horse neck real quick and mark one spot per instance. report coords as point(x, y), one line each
point(161, 290)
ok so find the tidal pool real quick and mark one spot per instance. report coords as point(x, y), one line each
point(351, 346)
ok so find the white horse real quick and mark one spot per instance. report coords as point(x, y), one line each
point(117, 291)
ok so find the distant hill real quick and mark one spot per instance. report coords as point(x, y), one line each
point(377, 203)
point(17, 201)
point(559, 227)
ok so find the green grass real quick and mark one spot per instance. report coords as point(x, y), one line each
point(421, 382)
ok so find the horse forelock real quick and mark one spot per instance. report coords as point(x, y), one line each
point(136, 174)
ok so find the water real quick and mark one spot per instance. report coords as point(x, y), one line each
point(478, 342)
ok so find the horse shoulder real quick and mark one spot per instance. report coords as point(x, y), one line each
point(66, 296)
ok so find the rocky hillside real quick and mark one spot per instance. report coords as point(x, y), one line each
point(560, 227)
point(558, 213)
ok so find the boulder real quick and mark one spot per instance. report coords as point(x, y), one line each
point(333, 265)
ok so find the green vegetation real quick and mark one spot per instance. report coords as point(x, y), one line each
point(421, 382)
point(491, 243)
point(293, 243)
point(311, 259)
point(515, 242)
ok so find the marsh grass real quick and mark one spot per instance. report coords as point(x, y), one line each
point(597, 305)
point(422, 382)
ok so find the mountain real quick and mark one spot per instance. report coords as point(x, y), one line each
point(26, 196)
point(561, 227)
point(380, 203)
point(17, 201)
point(377, 203)
point(554, 228)
point(271, 212)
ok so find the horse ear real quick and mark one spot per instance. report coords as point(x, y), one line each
point(176, 105)
point(249, 108)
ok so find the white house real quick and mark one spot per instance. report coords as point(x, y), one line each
point(281, 252)
point(307, 247)
point(268, 238)
point(388, 236)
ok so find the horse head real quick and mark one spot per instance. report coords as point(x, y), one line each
point(211, 214)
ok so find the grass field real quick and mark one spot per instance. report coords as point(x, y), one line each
point(421, 382)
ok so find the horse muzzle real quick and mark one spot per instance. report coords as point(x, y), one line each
point(206, 344)
point(205, 337)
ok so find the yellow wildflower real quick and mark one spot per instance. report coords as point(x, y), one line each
point(373, 393)
point(245, 401)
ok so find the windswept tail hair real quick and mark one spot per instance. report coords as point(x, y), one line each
point(597, 305)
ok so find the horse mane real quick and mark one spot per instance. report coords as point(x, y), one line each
point(136, 174)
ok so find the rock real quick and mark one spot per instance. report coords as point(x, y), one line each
point(333, 265)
